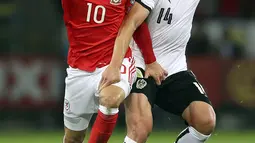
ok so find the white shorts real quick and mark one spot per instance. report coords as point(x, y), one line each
point(81, 98)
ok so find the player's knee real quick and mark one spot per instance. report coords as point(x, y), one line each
point(73, 136)
point(110, 101)
point(111, 97)
point(204, 125)
point(203, 117)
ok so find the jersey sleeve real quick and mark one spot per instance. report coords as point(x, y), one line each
point(143, 40)
point(148, 4)
point(128, 5)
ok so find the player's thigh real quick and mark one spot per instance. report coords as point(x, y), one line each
point(128, 75)
point(139, 103)
point(114, 94)
point(145, 86)
point(137, 108)
point(80, 102)
point(179, 91)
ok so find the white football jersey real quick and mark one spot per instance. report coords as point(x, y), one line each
point(170, 23)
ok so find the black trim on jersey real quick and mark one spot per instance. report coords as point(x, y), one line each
point(144, 5)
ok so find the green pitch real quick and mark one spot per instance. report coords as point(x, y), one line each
point(156, 137)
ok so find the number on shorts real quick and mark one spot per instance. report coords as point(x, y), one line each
point(199, 87)
point(123, 69)
point(101, 20)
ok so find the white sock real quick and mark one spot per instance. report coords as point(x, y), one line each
point(108, 111)
point(128, 140)
point(191, 135)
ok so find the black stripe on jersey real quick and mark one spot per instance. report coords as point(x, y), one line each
point(144, 5)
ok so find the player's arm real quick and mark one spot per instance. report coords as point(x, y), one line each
point(135, 17)
point(143, 40)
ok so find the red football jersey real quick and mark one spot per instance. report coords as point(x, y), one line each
point(92, 27)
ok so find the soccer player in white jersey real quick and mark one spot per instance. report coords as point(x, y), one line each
point(170, 23)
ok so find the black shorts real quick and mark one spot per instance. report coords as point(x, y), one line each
point(174, 94)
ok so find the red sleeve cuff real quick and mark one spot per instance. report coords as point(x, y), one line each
point(143, 40)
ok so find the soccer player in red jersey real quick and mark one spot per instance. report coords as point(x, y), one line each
point(92, 27)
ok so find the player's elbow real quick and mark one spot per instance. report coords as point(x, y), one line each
point(132, 23)
point(136, 23)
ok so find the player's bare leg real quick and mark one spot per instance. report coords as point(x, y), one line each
point(201, 119)
point(75, 128)
point(74, 136)
point(110, 98)
point(138, 118)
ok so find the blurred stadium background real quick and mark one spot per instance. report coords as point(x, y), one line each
point(33, 49)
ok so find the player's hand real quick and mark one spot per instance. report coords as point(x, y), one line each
point(110, 76)
point(156, 71)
